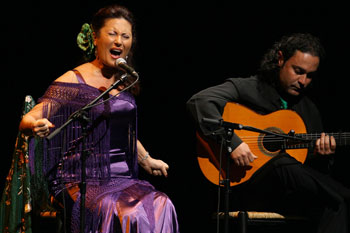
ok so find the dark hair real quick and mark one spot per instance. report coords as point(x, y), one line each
point(117, 11)
point(288, 45)
point(109, 12)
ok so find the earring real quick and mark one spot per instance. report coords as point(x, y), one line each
point(96, 54)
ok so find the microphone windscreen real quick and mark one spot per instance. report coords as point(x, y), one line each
point(120, 61)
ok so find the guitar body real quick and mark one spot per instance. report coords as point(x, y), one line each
point(282, 121)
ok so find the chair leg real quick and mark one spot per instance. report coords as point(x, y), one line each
point(242, 221)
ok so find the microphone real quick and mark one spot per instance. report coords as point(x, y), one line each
point(220, 122)
point(121, 63)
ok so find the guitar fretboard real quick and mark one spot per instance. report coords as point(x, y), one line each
point(341, 138)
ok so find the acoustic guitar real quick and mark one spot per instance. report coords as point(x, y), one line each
point(265, 146)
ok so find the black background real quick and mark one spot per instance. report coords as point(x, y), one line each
point(183, 47)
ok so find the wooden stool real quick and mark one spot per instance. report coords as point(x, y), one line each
point(271, 219)
point(48, 221)
point(51, 219)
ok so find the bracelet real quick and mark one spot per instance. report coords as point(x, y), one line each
point(145, 157)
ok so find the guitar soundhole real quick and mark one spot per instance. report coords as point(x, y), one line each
point(270, 145)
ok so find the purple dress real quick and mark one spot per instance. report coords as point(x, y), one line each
point(116, 200)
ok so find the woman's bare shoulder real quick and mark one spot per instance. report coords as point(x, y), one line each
point(70, 76)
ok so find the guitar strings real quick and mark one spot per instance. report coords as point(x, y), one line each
point(254, 142)
point(309, 136)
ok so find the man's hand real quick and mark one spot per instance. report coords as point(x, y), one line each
point(325, 145)
point(242, 155)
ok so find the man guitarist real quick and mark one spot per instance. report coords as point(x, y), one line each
point(283, 184)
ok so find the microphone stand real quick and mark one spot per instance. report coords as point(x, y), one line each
point(228, 138)
point(82, 116)
point(227, 135)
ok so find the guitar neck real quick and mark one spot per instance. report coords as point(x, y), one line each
point(341, 138)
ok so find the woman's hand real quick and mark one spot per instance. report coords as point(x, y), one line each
point(154, 167)
point(41, 127)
